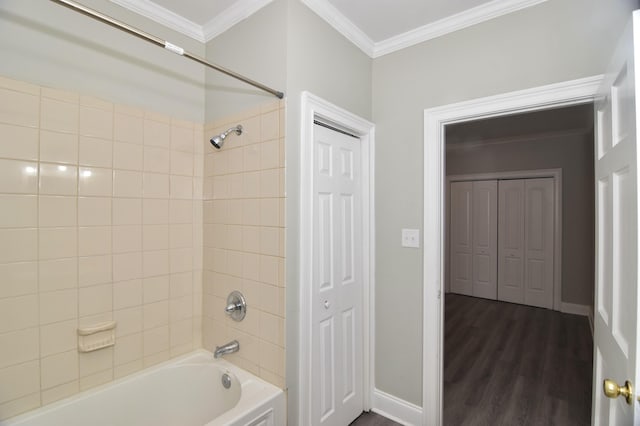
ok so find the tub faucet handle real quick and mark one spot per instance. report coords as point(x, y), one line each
point(236, 306)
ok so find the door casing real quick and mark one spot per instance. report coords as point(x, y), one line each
point(556, 95)
point(313, 108)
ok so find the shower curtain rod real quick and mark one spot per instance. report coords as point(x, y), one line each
point(162, 43)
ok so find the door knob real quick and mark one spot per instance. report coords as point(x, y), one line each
point(613, 390)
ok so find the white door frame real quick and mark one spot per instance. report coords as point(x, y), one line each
point(314, 108)
point(556, 174)
point(435, 119)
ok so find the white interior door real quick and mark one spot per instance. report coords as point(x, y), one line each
point(485, 232)
point(616, 305)
point(511, 241)
point(461, 240)
point(538, 239)
point(337, 338)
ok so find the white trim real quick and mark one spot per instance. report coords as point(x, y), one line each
point(325, 10)
point(435, 119)
point(231, 16)
point(239, 10)
point(476, 15)
point(467, 18)
point(396, 409)
point(313, 107)
point(575, 309)
point(164, 16)
point(556, 174)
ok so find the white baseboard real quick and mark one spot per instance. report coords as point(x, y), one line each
point(573, 308)
point(396, 409)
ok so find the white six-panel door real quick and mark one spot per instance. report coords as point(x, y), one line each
point(461, 227)
point(485, 230)
point(526, 241)
point(337, 341)
point(616, 304)
point(511, 241)
point(538, 239)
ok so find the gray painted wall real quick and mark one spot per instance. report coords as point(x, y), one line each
point(255, 48)
point(574, 155)
point(47, 44)
point(555, 41)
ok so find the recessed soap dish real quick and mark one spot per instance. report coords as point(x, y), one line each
point(96, 337)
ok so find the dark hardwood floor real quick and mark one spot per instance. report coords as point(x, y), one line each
point(507, 364)
point(373, 419)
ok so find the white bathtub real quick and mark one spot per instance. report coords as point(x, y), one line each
point(182, 392)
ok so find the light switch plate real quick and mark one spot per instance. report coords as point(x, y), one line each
point(411, 238)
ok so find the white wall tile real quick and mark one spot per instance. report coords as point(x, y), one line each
point(18, 245)
point(19, 346)
point(127, 156)
point(18, 211)
point(58, 337)
point(95, 181)
point(21, 380)
point(94, 211)
point(127, 211)
point(157, 160)
point(17, 313)
point(127, 238)
point(57, 211)
point(127, 184)
point(58, 116)
point(18, 142)
point(58, 179)
point(95, 152)
point(155, 185)
point(58, 369)
point(94, 270)
point(95, 299)
point(58, 147)
point(157, 134)
point(127, 294)
point(18, 279)
point(57, 243)
point(18, 108)
point(94, 240)
point(58, 306)
point(18, 177)
point(58, 274)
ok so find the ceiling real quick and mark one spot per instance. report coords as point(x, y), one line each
point(377, 27)
point(572, 119)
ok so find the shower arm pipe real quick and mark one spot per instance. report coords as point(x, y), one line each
point(162, 43)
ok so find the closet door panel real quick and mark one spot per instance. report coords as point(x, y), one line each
point(511, 203)
point(485, 228)
point(539, 232)
point(461, 238)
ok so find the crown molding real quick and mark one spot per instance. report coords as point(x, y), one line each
point(164, 16)
point(232, 15)
point(342, 24)
point(239, 11)
point(476, 15)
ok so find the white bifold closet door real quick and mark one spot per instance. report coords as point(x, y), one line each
point(525, 241)
point(473, 228)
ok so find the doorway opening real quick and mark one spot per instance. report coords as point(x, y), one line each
point(574, 92)
point(519, 199)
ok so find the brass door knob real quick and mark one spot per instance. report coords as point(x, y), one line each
point(613, 390)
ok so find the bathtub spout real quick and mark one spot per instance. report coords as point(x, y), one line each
point(229, 348)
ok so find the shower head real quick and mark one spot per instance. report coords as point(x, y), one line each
point(218, 141)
